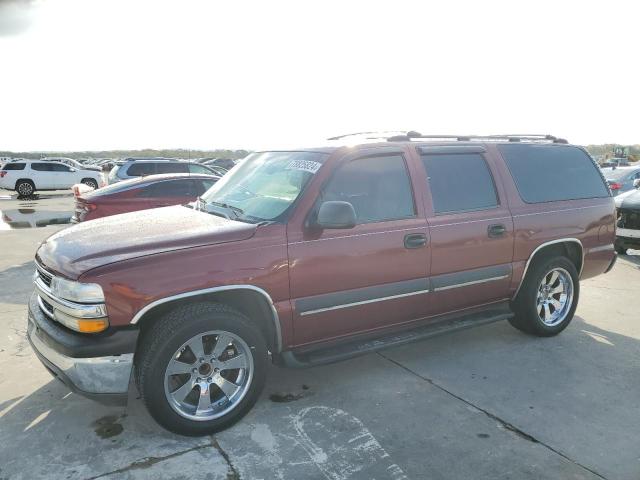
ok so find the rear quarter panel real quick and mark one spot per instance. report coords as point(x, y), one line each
point(591, 221)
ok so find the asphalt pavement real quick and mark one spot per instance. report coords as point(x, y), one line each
point(487, 403)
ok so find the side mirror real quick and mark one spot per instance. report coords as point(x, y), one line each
point(335, 214)
point(636, 183)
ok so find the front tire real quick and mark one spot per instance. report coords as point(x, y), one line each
point(548, 298)
point(200, 368)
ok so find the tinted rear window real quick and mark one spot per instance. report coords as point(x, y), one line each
point(548, 173)
point(14, 166)
point(142, 168)
point(460, 182)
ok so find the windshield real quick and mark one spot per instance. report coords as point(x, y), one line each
point(264, 185)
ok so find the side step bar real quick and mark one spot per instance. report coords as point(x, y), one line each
point(353, 348)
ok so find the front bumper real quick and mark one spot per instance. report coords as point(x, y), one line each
point(104, 378)
point(628, 238)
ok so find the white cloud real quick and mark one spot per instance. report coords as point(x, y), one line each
point(200, 74)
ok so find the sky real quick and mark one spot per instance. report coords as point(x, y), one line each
point(94, 74)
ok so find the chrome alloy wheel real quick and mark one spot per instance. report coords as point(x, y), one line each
point(208, 375)
point(555, 297)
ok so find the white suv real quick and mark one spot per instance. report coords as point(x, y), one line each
point(27, 176)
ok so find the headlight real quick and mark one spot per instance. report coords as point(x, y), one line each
point(76, 291)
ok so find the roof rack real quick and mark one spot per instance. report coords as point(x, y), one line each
point(413, 135)
point(482, 138)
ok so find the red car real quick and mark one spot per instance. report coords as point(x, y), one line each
point(140, 194)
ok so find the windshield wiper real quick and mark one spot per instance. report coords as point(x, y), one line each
point(235, 210)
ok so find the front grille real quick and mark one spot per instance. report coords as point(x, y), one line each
point(629, 219)
point(45, 277)
point(47, 306)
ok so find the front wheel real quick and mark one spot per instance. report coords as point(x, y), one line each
point(201, 368)
point(548, 297)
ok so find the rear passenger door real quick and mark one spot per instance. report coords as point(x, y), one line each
point(471, 228)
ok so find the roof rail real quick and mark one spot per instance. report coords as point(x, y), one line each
point(411, 135)
point(357, 134)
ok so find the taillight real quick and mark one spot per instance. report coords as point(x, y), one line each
point(3, 173)
point(90, 207)
point(615, 186)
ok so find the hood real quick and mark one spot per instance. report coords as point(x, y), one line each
point(85, 246)
point(93, 169)
point(629, 200)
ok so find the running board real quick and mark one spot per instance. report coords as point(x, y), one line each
point(353, 348)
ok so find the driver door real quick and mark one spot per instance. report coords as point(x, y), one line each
point(348, 281)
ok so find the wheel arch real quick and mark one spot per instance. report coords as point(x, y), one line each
point(28, 180)
point(571, 248)
point(252, 301)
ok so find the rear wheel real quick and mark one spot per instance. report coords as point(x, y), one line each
point(90, 182)
point(548, 297)
point(621, 250)
point(25, 188)
point(201, 368)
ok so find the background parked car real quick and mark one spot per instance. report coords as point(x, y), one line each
point(140, 194)
point(70, 162)
point(27, 176)
point(628, 219)
point(139, 167)
point(620, 179)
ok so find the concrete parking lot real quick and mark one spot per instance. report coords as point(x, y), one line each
point(486, 403)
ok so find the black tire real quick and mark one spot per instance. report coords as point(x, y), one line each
point(164, 337)
point(525, 305)
point(25, 188)
point(90, 182)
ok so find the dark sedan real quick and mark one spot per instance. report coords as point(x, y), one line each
point(140, 194)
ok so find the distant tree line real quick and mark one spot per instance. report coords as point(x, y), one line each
point(147, 152)
point(604, 151)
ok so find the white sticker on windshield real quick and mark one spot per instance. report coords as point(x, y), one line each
point(304, 165)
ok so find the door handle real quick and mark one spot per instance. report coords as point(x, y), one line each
point(415, 240)
point(496, 230)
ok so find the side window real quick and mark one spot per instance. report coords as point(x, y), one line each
point(379, 188)
point(195, 168)
point(41, 167)
point(59, 167)
point(547, 173)
point(142, 168)
point(14, 166)
point(172, 167)
point(460, 182)
point(175, 188)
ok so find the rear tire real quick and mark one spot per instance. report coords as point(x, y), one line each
point(25, 188)
point(90, 182)
point(210, 393)
point(548, 298)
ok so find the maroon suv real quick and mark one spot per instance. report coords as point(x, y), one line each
point(312, 256)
